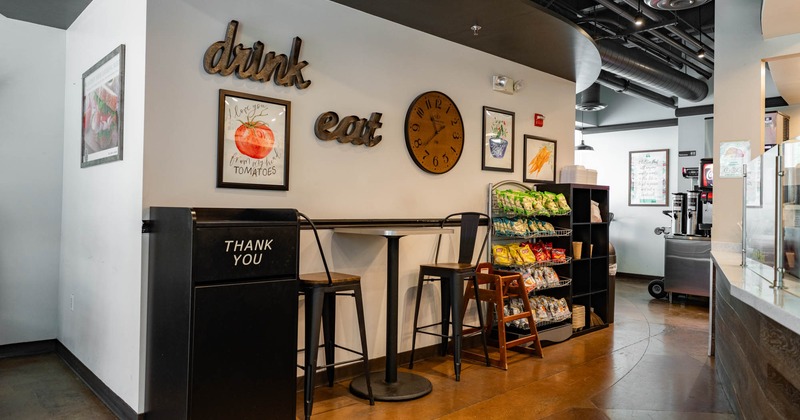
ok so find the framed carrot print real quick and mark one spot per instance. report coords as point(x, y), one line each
point(540, 160)
point(253, 142)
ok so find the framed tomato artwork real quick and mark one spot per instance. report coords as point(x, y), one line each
point(103, 91)
point(253, 142)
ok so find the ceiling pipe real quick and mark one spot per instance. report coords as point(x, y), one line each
point(640, 68)
point(672, 55)
point(624, 86)
point(656, 16)
point(689, 53)
point(639, 39)
point(610, 5)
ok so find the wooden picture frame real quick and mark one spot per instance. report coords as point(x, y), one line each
point(253, 141)
point(497, 147)
point(539, 164)
point(103, 93)
point(648, 180)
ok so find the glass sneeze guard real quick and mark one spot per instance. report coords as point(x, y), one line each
point(772, 215)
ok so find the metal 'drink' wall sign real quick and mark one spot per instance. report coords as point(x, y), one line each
point(225, 58)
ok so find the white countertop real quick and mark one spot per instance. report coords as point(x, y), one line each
point(782, 306)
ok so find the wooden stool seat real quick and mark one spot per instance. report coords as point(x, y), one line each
point(321, 278)
point(449, 266)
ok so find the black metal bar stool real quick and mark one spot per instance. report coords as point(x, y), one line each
point(320, 290)
point(452, 277)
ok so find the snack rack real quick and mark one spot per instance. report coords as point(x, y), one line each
point(560, 235)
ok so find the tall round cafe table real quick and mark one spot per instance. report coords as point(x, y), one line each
point(392, 385)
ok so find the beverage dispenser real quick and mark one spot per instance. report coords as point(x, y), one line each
point(679, 209)
point(693, 216)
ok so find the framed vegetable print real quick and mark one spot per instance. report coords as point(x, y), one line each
point(497, 150)
point(253, 142)
point(540, 160)
point(103, 91)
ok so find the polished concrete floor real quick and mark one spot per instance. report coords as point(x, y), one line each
point(651, 363)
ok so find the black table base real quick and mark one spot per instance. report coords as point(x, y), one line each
point(408, 387)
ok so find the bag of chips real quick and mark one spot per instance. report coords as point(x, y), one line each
point(501, 255)
point(516, 258)
point(563, 207)
point(526, 255)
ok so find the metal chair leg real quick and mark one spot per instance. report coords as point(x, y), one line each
point(329, 333)
point(362, 331)
point(456, 295)
point(446, 291)
point(314, 301)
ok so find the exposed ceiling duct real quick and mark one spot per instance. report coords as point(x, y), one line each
point(623, 86)
point(640, 68)
point(671, 54)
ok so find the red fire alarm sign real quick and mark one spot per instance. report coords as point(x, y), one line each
point(538, 120)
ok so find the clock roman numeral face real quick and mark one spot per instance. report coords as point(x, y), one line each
point(434, 132)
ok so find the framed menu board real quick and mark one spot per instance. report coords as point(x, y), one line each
point(649, 178)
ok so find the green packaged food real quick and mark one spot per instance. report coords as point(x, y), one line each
point(562, 204)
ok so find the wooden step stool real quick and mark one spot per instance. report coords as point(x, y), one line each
point(502, 287)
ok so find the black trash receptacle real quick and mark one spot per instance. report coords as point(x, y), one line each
point(222, 313)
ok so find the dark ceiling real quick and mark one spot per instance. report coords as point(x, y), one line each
point(571, 39)
point(520, 31)
point(56, 13)
point(657, 61)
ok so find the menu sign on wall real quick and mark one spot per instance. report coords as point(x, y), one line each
point(649, 178)
point(732, 157)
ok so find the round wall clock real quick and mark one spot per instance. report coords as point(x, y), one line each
point(434, 132)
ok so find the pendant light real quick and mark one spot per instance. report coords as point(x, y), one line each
point(639, 19)
point(701, 53)
point(583, 147)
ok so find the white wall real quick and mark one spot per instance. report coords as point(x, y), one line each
point(358, 64)
point(31, 113)
point(639, 250)
point(101, 231)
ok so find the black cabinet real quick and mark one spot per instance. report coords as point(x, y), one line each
point(222, 313)
point(590, 280)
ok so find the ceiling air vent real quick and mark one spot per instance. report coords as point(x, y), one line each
point(674, 4)
point(589, 99)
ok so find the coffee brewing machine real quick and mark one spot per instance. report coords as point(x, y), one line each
point(690, 211)
point(687, 247)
